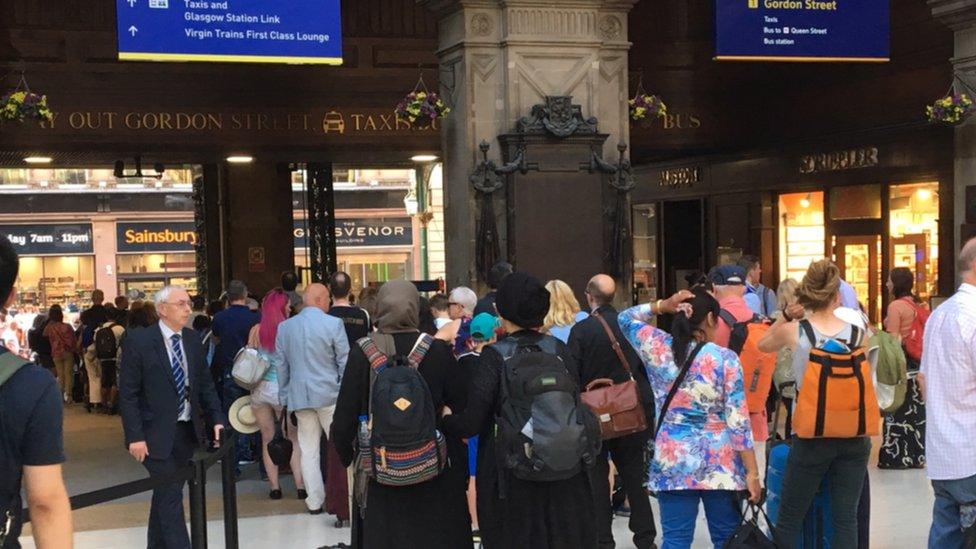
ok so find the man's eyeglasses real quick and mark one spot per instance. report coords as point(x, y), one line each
point(186, 304)
point(450, 303)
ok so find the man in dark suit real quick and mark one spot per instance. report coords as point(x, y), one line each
point(165, 391)
point(593, 350)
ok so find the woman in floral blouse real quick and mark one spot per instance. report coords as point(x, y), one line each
point(703, 452)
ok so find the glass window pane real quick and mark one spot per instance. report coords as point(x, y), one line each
point(645, 252)
point(801, 232)
point(859, 202)
point(914, 227)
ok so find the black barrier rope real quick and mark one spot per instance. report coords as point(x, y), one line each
point(195, 474)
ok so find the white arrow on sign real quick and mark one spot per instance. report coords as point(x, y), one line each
point(132, 3)
point(133, 30)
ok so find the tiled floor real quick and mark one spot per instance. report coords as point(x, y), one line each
point(900, 515)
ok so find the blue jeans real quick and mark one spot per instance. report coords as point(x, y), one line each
point(953, 499)
point(679, 511)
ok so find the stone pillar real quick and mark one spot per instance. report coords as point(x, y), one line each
point(960, 16)
point(499, 58)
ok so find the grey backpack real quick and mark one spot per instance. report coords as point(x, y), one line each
point(544, 432)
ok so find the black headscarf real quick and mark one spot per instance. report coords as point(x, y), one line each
point(523, 300)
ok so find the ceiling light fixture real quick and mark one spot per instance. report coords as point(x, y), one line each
point(424, 158)
point(240, 159)
point(924, 194)
point(38, 159)
point(805, 201)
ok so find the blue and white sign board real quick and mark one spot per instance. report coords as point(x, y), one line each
point(245, 31)
point(802, 30)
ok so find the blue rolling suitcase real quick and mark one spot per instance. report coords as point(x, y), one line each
point(817, 528)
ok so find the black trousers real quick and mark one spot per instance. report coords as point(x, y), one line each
point(627, 454)
point(167, 523)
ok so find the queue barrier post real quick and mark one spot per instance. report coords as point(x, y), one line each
point(198, 505)
point(228, 477)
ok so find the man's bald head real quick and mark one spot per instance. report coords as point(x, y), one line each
point(600, 290)
point(967, 261)
point(317, 295)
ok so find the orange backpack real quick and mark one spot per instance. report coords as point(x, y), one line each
point(757, 368)
point(836, 399)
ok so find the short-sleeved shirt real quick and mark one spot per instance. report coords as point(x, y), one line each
point(30, 433)
point(354, 319)
point(232, 326)
point(707, 423)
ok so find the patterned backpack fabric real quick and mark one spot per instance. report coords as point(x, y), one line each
point(399, 444)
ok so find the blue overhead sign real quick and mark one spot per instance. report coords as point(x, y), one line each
point(802, 30)
point(247, 31)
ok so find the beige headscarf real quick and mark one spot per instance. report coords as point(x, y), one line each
point(397, 312)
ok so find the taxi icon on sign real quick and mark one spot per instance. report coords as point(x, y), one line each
point(334, 122)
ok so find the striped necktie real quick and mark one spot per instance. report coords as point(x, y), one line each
point(178, 374)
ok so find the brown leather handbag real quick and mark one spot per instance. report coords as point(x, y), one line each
point(617, 406)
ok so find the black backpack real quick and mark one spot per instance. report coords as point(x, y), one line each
point(740, 330)
point(106, 345)
point(399, 445)
point(544, 433)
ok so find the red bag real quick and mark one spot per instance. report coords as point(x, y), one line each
point(913, 341)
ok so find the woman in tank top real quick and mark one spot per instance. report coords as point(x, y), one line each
point(841, 461)
point(903, 445)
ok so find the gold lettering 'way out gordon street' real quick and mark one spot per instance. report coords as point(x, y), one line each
point(334, 122)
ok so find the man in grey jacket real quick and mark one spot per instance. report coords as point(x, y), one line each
point(310, 353)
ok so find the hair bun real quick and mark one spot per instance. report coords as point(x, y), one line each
point(820, 285)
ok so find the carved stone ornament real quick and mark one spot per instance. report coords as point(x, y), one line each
point(610, 27)
point(559, 117)
point(481, 24)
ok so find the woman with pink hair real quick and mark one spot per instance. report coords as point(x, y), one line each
point(264, 397)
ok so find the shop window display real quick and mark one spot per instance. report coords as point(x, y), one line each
point(68, 281)
point(801, 232)
point(914, 227)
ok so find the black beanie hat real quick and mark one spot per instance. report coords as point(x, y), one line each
point(523, 300)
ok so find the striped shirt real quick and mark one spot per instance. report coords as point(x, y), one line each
point(949, 367)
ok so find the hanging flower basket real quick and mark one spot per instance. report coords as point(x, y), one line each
point(22, 104)
point(420, 108)
point(952, 109)
point(644, 105)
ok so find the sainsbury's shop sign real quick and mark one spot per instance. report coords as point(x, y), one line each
point(60, 239)
point(142, 236)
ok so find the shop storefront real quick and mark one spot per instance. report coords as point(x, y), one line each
point(870, 208)
point(57, 264)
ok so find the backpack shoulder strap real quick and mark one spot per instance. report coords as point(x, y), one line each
point(419, 351)
point(377, 360)
point(807, 329)
point(727, 317)
point(9, 365)
point(506, 347)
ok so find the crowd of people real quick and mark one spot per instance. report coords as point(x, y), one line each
point(491, 417)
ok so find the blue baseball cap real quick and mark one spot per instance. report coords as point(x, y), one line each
point(727, 275)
